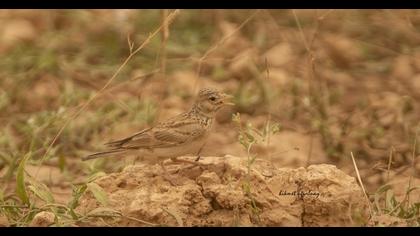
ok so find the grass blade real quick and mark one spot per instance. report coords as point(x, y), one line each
point(77, 193)
point(99, 193)
point(20, 180)
point(41, 190)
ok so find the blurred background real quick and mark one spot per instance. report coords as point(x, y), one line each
point(315, 85)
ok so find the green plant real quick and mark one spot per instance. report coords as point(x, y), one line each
point(385, 202)
point(249, 136)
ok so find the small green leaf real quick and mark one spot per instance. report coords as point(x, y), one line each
point(389, 199)
point(379, 193)
point(276, 128)
point(95, 176)
point(61, 162)
point(236, 118)
point(77, 193)
point(253, 158)
point(412, 189)
point(98, 193)
point(383, 188)
point(376, 201)
point(41, 190)
point(20, 180)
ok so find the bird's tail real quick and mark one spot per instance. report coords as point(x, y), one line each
point(104, 154)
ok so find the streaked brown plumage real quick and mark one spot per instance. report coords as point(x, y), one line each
point(180, 135)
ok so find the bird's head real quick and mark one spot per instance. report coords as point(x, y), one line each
point(210, 100)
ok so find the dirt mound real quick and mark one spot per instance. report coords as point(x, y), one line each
point(223, 192)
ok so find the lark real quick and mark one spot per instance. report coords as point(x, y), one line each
point(184, 134)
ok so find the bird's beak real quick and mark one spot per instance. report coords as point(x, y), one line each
point(226, 99)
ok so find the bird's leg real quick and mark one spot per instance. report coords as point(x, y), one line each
point(193, 163)
point(198, 153)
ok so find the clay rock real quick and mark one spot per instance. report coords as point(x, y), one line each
point(223, 191)
point(339, 193)
point(43, 219)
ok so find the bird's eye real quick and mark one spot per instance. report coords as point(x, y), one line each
point(212, 98)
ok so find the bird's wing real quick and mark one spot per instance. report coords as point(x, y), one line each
point(178, 132)
point(137, 136)
point(175, 131)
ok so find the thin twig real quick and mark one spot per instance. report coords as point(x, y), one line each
point(319, 21)
point(164, 40)
point(267, 66)
point(390, 162)
point(217, 45)
point(302, 34)
point(413, 166)
point(311, 141)
point(170, 18)
point(138, 220)
point(360, 182)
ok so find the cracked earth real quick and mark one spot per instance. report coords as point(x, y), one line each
point(222, 192)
